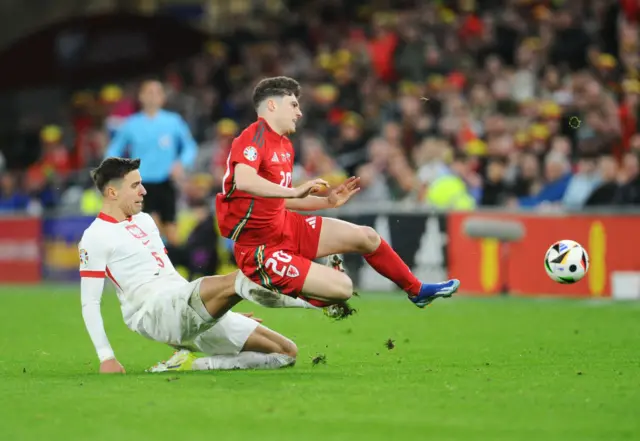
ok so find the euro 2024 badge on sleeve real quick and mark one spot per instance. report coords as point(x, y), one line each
point(84, 256)
point(250, 153)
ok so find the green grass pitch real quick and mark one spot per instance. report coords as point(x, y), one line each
point(463, 369)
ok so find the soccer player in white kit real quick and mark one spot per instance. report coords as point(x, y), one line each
point(124, 245)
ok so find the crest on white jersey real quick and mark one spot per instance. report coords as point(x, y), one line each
point(136, 231)
point(275, 158)
point(84, 256)
point(250, 153)
point(292, 271)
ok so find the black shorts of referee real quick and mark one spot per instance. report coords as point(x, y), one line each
point(161, 199)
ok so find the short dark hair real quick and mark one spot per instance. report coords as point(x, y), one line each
point(113, 168)
point(498, 159)
point(148, 80)
point(275, 86)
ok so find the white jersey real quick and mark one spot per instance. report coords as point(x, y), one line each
point(156, 301)
point(132, 255)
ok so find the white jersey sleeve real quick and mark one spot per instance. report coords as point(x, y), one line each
point(94, 254)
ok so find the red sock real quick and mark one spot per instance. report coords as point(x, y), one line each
point(387, 262)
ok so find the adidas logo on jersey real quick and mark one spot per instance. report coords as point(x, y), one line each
point(275, 158)
point(311, 221)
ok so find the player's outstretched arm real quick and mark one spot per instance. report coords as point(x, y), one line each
point(94, 256)
point(337, 197)
point(91, 287)
point(310, 203)
point(246, 179)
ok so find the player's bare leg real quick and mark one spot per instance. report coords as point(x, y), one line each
point(267, 341)
point(263, 349)
point(327, 285)
point(254, 293)
point(218, 294)
point(339, 237)
point(221, 293)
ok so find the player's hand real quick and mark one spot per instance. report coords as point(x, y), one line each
point(177, 172)
point(341, 194)
point(310, 187)
point(250, 315)
point(111, 367)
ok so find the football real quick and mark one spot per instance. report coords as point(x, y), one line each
point(566, 261)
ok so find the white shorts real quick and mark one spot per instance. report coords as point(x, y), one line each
point(168, 317)
point(227, 337)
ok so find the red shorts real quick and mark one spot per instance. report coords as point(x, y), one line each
point(283, 266)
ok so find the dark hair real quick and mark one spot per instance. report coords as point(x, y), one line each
point(113, 168)
point(498, 159)
point(588, 156)
point(459, 156)
point(275, 86)
point(146, 80)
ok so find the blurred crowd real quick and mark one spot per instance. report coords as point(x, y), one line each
point(453, 104)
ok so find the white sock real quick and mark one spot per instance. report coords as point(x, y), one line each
point(251, 291)
point(244, 360)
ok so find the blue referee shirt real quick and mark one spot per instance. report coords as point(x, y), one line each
point(158, 141)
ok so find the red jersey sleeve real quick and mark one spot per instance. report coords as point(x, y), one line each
point(244, 151)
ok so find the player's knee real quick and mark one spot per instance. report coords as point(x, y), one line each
point(342, 287)
point(289, 348)
point(369, 239)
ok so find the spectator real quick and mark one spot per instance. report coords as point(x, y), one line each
point(382, 47)
point(55, 162)
point(570, 42)
point(582, 183)
point(409, 55)
point(628, 112)
point(528, 179)
point(372, 174)
point(161, 139)
point(317, 163)
point(350, 146)
point(117, 106)
point(495, 190)
point(557, 174)
point(401, 176)
point(429, 158)
point(634, 143)
point(605, 193)
point(213, 153)
point(199, 253)
point(630, 189)
point(45, 178)
point(11, 197)
point(461, 167)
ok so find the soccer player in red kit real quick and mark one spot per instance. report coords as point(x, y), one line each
point(274, 245)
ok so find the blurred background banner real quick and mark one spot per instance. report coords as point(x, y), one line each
point(609, 239)
point(60, 246)
point(20, 249)
point(89, 50)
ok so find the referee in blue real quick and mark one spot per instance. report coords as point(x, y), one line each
point(163, 142)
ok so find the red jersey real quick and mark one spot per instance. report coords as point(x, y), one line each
point(244, 218)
